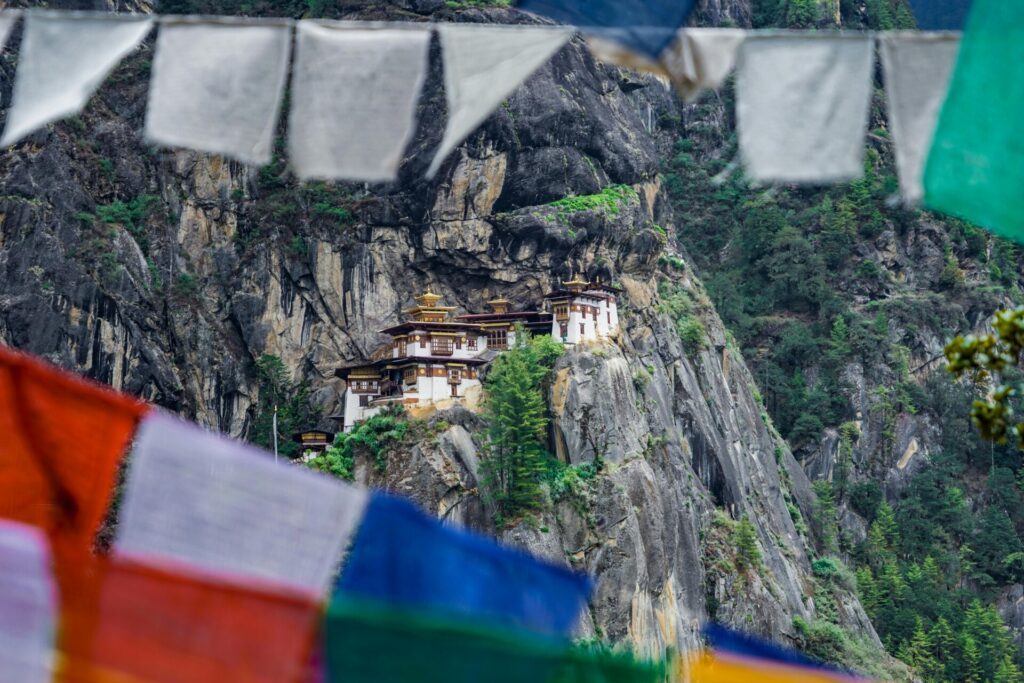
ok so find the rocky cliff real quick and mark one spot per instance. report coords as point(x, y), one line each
point(168, 274)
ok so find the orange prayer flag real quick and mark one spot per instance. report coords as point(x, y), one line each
point(63, 438)
point(128, 622)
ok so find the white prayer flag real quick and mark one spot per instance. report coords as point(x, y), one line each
point(8, 18)
point(802, 106)
point(698, 59)
point(228, 508)
point(28, 605)
point(917, 70)
point(482, 66)
point(216, 86)
point(701, 59)
point(353, 99)
point(65, 56)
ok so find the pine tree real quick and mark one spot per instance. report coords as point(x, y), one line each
point(944, 645)
point(514, 455)
point(867, 591)
point(917, 652)
point(971, 661)
point(1007, 672)
point(748, 554)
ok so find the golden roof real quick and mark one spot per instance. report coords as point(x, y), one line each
point(428, 299)
point(576, 281)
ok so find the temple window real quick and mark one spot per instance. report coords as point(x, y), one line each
point(403, 348)
point(497, 339)
point(441, 346)
point(471, 343)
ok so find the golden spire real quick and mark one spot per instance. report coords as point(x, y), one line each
point(577, 283)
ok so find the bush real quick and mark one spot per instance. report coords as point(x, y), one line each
point(692, 333)
point(821, 640)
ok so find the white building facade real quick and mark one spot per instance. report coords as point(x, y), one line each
point(434, 356)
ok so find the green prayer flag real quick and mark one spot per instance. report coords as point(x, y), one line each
point(976, 165)
point(373, 643)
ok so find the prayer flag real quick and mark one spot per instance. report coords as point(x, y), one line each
point(210, 502)
point(64, 57)
point(28, 605)
point(975, 168)
point(645, 26)
point(63, 439)
point(132, 622)
point(802, 106)
point(701, 59)
point(482, 66)
point(939, 15)
point(370, 643)
point(216, 85)
point(353, 99)
point(917, 68)
point(400, 555)
point(698, 59)
point(734, 656)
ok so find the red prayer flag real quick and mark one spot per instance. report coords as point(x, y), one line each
point(63, 438)
point(126, 621)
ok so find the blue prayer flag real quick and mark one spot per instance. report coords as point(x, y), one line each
point(726, 642)
point(405, 557)
point(645, 26)
point(940, 15)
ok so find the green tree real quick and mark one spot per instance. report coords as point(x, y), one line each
point(801, 13)
point(971, 661)
point(514, 456)
point(1008, 672)
point(945, 649)
point(744, 538)
point(290, 399)
point(917, 652)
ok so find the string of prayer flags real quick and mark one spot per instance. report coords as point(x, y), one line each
point(482, 66)
point(402, 556)
point(28, 605)
point(223, 507)
point(64, 58)
point(62, 443)
point(130, 621)
point(217, 86)
point(644, 26)
point(8, 18)
point(368, 643)
point(802, 106)
point(732, 656)
point(917, 69)
point(975, 168)
point(334, 133)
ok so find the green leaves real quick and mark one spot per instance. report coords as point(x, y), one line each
point(986, 356)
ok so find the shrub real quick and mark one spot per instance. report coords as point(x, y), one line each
point(692, 333)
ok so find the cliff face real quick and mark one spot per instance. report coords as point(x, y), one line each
point(167, 274)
